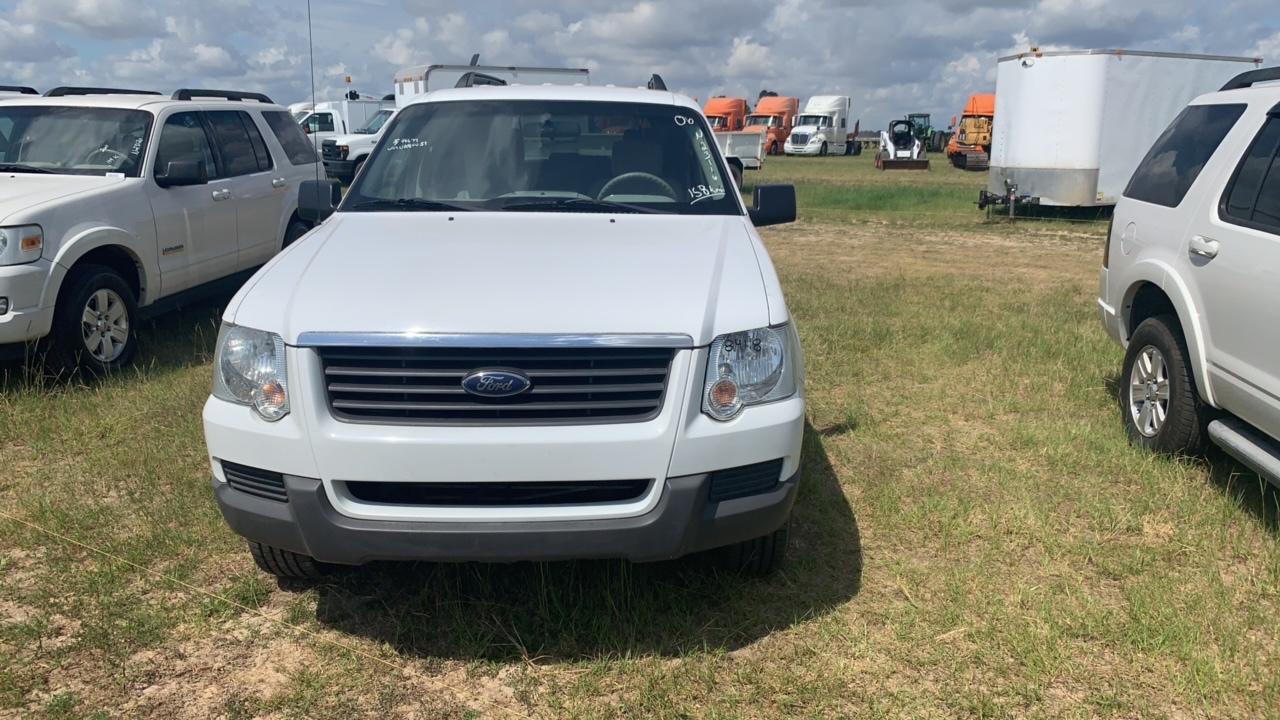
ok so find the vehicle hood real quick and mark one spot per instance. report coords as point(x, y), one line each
point(25, 191)
point(357, 139)
point(503, 273)
point(807, 129)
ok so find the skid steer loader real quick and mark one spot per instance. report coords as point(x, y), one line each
point(900, 149)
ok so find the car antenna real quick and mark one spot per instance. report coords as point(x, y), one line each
point(311, 54)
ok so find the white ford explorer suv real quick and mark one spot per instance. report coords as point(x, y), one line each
point(113, 200)
point(539, 326)
point(1191, 280)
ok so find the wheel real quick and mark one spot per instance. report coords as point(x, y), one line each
point(857, 148)
point(285, 564)
point(1162, 409)
point(296, 230)
point(93, 322)
point(822, 151)
point(848, 149)
point(757, 557)
point(773, 148)
point(737, 175)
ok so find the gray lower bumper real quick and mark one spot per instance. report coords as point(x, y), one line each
point(683, 522)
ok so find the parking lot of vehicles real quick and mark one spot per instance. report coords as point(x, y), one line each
point(823, 128)
point(330, 119)
point(559, 423)
point(117, 200)
point(1189, 280)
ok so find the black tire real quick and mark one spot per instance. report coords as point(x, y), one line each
point(822, 151)
point(69, 338)
point(774, 149)
point(1185, 428)
point(297, 228)
point(758, 557)
point(848, 149)
point(857, 148)
point(285, 564)
point(736, 171)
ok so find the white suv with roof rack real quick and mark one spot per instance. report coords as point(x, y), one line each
point(540, 325)
point(1190, 280)
point(117, 200)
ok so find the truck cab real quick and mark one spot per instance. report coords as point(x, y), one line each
point(725, 114)
point(774, 117)
point(344, 154)
point(328, 120)
point(822, 128)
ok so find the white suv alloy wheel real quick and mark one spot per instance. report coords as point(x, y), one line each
point(1149, 391)
point(104, 325)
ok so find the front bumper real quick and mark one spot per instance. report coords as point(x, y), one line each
point(23, 286)
point(683, 522)
point(344, 170)
point(803, 149)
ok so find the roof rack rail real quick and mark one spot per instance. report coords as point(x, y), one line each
point(192, 93)
point(67, 91)
point(1251, 78)
point(656, 83)
point(23, 89)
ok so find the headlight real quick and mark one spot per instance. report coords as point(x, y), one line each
point(749, 368)
point(249, 369)
point(22, 244)
point(815, 140)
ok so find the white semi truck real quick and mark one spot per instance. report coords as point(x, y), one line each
point(823, 128)
point(1072, 126)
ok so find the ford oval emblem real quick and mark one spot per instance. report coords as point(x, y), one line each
point(495, 383)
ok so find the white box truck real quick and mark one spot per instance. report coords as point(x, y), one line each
point(1071, 126)
point(822, 128)
point(340, 117)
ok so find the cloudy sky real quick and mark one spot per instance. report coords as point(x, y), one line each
point(892, 56)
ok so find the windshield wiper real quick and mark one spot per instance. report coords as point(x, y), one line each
point(579, 203)
point(19, 167)
point(409, 204)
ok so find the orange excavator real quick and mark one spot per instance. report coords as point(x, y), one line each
point(970, 146)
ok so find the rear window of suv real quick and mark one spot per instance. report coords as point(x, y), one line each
point(292, 139)
point(1252, 199)
point(1175, 161)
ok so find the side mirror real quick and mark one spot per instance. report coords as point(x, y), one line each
point(317, 199)
point(181, 173)
point(773, 205)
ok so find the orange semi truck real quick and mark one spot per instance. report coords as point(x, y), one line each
point(774, 116)
point(970, 146)
point(726, 114)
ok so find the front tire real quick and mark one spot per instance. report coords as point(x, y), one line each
point(93, 325)
point(284, 564)
point(758, 557)
point(1162, 409)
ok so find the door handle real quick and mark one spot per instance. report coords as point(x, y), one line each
point(1204, 247)
point(279, 182)
point(220, 195)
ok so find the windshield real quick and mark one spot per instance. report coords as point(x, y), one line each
point(73, 140)
point(375, 123)
point(530, 155)
point(300, 115)
point(762, 121)
point(819, 120)
point(718, 121)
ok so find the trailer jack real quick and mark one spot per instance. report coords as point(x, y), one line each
point(1010, 199)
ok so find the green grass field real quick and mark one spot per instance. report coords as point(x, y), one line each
point(974, 537)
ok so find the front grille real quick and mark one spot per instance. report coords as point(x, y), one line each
point(254, 481)
point(799, 139)
point(329, 150)
point(423, 386)
point(498, 494)
point(746, 480)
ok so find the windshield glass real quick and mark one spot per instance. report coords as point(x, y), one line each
point(819, 120)
point(718, 121)
point(299, 116)
point(73, 140)
point(531, 155)
point(375, 123)
point(762, 121)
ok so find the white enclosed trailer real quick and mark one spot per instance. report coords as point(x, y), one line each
point(1072, 126)
point(411, 83)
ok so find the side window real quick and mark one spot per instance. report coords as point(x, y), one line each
point(183, 138)
point(287, 131)
point(1175, 161)
point(1252, 198)
point(255, 138)
point(234, 148)
point(320, 122)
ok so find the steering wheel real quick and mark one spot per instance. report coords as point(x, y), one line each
point(116, 158)
point(646, 177)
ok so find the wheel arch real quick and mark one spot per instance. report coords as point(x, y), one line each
point(1147, 298)
point(113, 250)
